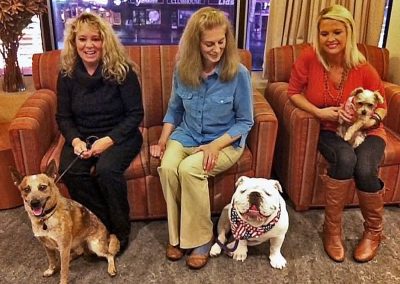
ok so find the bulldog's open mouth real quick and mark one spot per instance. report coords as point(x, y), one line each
point(254, 213)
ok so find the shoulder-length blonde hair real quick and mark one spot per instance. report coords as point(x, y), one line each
point(352, 56)
point(115, 63)
point(189, 65)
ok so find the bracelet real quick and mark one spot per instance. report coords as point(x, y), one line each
point(377, 122)
point(376, 115)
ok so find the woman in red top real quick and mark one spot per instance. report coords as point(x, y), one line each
point(321, 81)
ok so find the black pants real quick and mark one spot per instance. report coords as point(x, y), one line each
point(360, 163)
point(103, 192)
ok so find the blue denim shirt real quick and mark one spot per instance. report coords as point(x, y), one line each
point(204, 114)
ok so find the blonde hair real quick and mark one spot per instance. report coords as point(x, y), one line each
point(353, 57)
point(115, 63)
point(189, 65)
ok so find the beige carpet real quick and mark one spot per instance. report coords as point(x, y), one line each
point(23, 260)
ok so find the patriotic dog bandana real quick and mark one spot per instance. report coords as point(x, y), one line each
point(242, 230)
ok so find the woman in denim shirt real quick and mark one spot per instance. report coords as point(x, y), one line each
point(209, 115)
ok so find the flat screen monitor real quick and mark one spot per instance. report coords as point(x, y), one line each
point(136, 22)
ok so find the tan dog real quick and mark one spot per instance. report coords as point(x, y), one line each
point(362, 103)
point(62, 224)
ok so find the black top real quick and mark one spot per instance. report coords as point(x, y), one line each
point(90, 105)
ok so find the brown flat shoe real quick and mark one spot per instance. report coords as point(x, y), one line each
point(174, 253)
point(196, 261)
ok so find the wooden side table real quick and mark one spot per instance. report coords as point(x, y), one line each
point(9, 194)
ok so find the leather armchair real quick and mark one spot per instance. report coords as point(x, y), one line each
point(297, 162)
point(35, 138)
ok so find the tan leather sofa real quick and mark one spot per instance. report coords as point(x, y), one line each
point(35, 138)
point(297, 162)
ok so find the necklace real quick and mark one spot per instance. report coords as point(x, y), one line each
point(327, 93)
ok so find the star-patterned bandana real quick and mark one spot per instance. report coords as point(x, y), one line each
point(241, 230)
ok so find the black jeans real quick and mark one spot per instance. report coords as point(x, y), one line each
point(360, 163)
point(104, 192)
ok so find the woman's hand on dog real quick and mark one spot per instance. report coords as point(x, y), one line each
point(370, 123)
point(345, 116)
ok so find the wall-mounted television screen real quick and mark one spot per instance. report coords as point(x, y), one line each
point(137, 22)
point(183, 17)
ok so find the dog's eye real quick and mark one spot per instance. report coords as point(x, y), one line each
point(27, 189)
point(370, 105)
point(359, 104)
point(242, 191)
point(42, 187)
point(268, 194)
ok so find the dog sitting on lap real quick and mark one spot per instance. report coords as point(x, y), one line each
point(257, 213)
point(362, 104)
point(62, 224)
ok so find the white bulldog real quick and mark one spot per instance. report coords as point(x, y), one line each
point(257, 213)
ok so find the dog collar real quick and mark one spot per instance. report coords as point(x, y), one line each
point(242, 230)
point(43, 217)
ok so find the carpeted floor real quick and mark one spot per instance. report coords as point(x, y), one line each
point(23, 260)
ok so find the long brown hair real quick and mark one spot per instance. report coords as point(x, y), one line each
point(189, 65)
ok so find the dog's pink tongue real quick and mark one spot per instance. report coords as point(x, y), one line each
point(37, 212)
point(253, 211)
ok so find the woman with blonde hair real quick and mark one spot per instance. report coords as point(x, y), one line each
point(205, 128)
point(321, 81)
point(99, 109)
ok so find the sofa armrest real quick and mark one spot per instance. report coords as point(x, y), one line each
point(296, 149)
point(33, 130)
point(392, 94)
point(262, 136)
point(302, 150)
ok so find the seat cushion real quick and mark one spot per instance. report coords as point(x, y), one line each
point(243, 165)
point(144, 165)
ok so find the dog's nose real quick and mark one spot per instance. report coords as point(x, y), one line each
point(364, 112)
point(254, 198)
point(35, 203)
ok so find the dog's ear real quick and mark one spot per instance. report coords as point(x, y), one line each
point(378, 97)
point(240, 180)
point(277, 186)
point(51, 170)
point(357, 91)
point(16, 176)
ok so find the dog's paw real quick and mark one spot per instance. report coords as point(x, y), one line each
point(112, 270)
point(215, 250)
point(358, 141)
point(240, 254)
point(277, 261)
point(347, 136)
point(49, 271)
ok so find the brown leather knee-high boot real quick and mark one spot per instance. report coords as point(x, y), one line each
point(371, 205)
point(335, 192)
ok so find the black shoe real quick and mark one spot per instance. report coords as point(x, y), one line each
point(123, 245)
